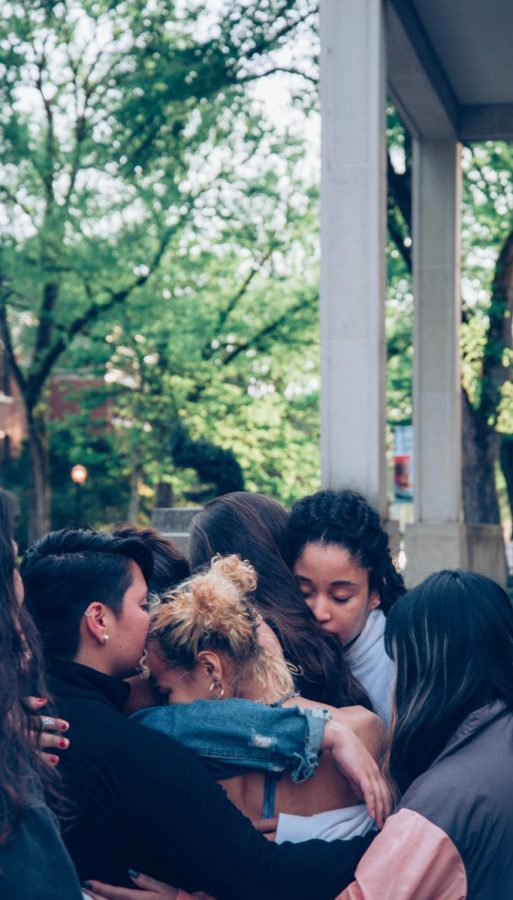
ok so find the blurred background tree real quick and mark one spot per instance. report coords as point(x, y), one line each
point(132, 147)
point(159, 239)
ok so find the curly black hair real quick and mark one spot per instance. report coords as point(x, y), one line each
point(346, 519)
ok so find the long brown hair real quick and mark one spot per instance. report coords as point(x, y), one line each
point(255, 527)
point(20, 675)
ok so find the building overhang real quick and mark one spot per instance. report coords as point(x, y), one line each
point(450, 67)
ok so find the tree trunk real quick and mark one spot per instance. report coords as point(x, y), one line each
point(480, 451)
point(481, 441)
point(135, 501)
point(39, 495)
point(506, 458)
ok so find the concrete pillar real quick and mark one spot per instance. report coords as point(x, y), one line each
point(439, 538)
point(353, 231)
point(437, 390)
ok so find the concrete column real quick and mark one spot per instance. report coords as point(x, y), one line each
point(439, 538)
point(437, 391)
point(353, 230)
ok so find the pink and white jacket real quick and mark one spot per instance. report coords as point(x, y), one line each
point(452, 835)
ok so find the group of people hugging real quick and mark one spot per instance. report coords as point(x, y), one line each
point(276, 718)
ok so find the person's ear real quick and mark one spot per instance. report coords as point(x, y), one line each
point(209, 664)
point(96, 624)
point(374, 600)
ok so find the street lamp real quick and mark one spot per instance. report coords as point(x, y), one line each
point(79, 477)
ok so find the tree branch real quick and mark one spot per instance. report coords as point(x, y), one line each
point(14, 199)
point(50, 137)
point(258, 338)
point(290, 71)
point(5, 334)
point(208, 351)
point(38, 376)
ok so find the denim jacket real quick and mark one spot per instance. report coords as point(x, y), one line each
point(33, 860)
point(234, 736)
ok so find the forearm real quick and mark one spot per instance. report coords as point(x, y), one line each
point(203, 838)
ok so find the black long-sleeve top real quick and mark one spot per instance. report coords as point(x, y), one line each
point(140, 800)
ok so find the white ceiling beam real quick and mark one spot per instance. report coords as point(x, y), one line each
point(417, 82)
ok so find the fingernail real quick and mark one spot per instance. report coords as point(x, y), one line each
point(64, 743)
point(64, 726)
point(53, 760)
point(87, 884)
point(133, 873)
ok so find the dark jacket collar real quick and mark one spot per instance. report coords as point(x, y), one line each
point(73, 679)
point(475, 722)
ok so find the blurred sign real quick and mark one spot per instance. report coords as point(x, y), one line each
point(403, 463)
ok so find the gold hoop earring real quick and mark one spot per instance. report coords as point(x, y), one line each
point(216, 686)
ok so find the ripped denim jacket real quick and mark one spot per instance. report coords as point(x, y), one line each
point(235, 736)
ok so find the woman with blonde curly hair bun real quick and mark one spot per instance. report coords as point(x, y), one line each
point(208, 642)
point(209, 631)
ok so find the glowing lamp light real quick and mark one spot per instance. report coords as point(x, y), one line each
point(79, 474)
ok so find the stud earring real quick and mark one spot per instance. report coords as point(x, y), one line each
point(105, 637)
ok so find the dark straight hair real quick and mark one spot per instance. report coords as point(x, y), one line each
point(169, 566)
point(21, 671)
point(346, 519)
point(67, 570)
point(452, 641)
point(255, 528)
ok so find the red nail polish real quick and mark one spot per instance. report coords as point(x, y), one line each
point(64, 743)
point(64, 726)
point(53, 760)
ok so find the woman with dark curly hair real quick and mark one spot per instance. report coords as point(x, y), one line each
point(340, 556)
point(255, 528)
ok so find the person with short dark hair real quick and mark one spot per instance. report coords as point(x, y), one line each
point(140, 799)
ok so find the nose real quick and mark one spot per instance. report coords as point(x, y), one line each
point(320, 609)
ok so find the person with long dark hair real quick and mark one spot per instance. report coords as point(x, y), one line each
point(255, 528)
point(340, 556)
point(33, 861)
point(452, 748)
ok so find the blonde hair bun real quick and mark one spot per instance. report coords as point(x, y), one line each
point(239, 571)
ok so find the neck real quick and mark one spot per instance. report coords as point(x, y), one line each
point(94, 659)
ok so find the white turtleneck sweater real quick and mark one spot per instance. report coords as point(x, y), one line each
point(372, 667)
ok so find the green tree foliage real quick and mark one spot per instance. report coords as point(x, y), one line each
point(125, 127)
point(487, 307)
